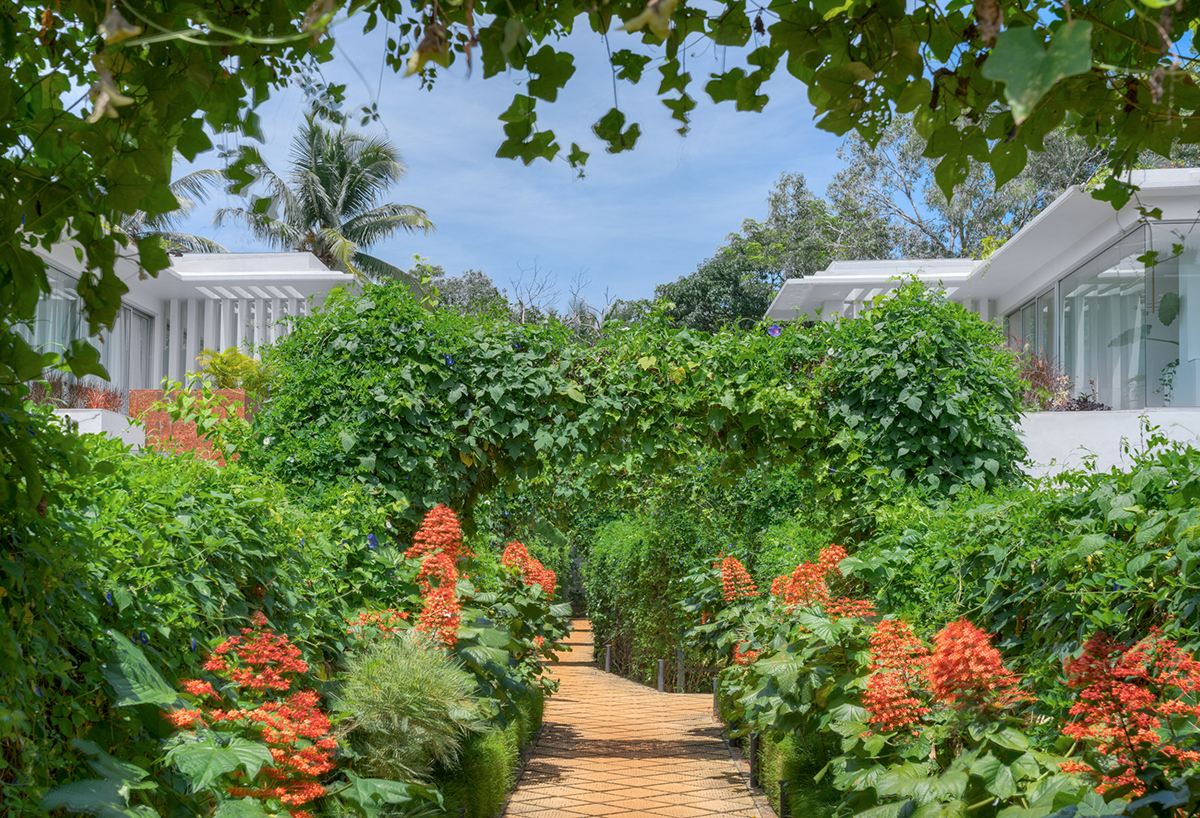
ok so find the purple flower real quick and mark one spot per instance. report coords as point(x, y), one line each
point(372, 542)
point(145, 638)
point(775, 331)
point(108, 596)
point(449, 360)
point(193, 644)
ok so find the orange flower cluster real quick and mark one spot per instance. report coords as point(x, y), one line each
point(1127, 696)
point(517, 556)
point(744, 657)
point(899, 661)
point(384, 623)
point(737, 582)
point(808, 587)
point(264, 658)
point(297, 733)
point(439, 531)
point(967, 672)
point(441, 615)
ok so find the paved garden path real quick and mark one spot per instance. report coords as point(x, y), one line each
point(614, 747)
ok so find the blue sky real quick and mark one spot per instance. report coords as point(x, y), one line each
point(637, 219)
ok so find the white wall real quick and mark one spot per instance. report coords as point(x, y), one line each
point(1060, 440)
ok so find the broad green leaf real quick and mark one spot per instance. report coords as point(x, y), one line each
point(134, 679)
point(203, 762)
point(252, 755)
point(1029, 70)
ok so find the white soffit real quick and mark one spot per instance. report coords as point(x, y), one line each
point(849, 280)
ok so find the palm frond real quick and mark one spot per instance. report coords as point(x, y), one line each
point(376, 270)
point(381, 222)
point(275, 232)
point(341, 251)
point(189, 242)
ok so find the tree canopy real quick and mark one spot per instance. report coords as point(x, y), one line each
point(984, 81)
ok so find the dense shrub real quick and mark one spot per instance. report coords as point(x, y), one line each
point(489, 764)
point(1045, 566)
point(426, 407)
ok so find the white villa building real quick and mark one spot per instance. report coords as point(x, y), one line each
point(1074, 284)
point(202, 301)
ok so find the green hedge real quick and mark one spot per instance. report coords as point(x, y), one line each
point(489, 765)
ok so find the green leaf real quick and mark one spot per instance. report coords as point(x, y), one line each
point(108, 766)
point(609, 128)
point(252, 755)
point(133, 679)
point(1029, 71)
point(203, 762)
point(553, 69)
point(372, 794)
point(996, 775)
point(241, 808)
point(85, 796)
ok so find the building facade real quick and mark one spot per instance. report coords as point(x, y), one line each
point(202, 301)
point(1112, 295)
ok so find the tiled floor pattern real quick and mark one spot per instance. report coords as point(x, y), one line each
point(611, 747)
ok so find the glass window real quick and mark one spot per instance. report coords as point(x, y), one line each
point(1173, 317)
point(1046, 340)
point(1104, 327)
point(125, 350)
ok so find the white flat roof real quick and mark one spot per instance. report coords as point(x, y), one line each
point(1071, 229)
point(864, 280)
point(242, 275)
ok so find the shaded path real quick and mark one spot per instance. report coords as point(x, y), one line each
point(613, 747)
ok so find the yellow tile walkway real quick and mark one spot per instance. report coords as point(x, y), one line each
point(611, 747)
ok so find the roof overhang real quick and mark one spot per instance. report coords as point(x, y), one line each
point(859, 281)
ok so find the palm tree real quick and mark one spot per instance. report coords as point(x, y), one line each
point(330, 209)
point(188, 191)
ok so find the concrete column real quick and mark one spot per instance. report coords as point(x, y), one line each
point(243, 325)
point(209, 339)
point(228, 330)
point(260, 326)
point(158, 346)
point(293, 310)
point(175, 341)
point(191, 342)
point(277, 326)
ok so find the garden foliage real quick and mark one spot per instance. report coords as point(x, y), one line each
point(427, 407)
point(119, 603)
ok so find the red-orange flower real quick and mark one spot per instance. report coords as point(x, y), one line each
point(1127, 696)
point(439, 531)
point(808, 586)
point(441, 615)
point(967, 672)
point(744, 657)
point(517, 556)
point(898, 663)
point(197, 687)
point(736, 581)
point(384, 623)
point(265, 665)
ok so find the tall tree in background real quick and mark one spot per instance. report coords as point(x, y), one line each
point(331, 206)
point(728, 289)
point(471, 293)
point(896, 181)
point(803, 233)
